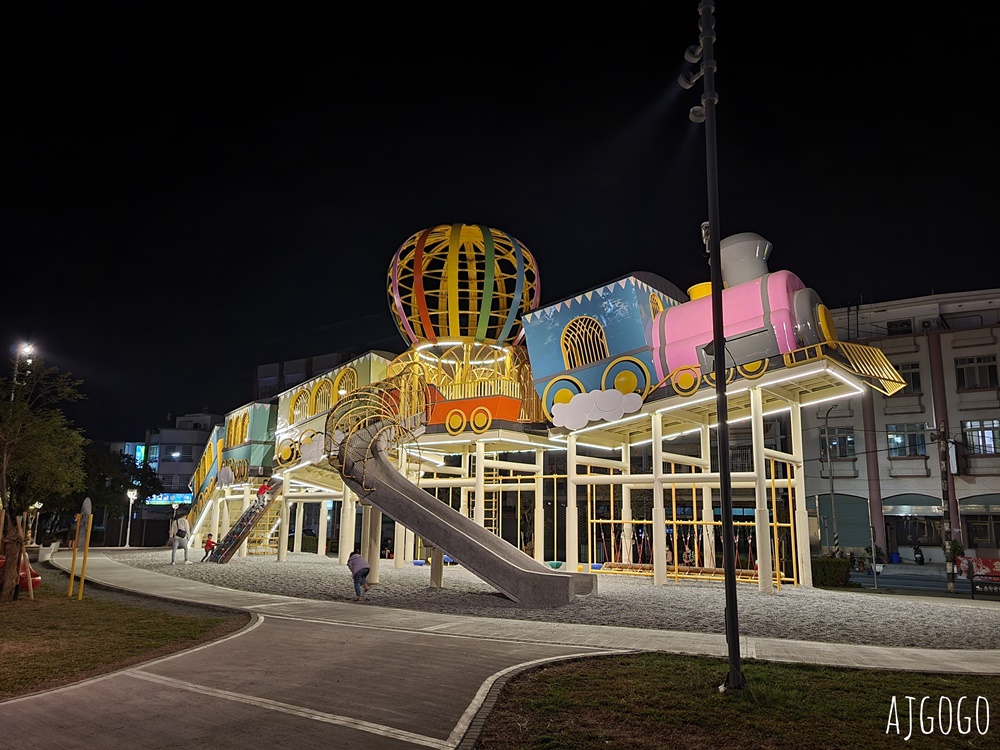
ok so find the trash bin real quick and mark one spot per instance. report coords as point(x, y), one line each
point(894, 558)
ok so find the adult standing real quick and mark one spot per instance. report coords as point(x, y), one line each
point(179, 533)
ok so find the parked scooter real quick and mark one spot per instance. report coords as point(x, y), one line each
point(918, 555)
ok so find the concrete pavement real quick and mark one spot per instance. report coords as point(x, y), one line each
point(315, 674)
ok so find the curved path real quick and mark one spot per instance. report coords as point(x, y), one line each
point(317, 674)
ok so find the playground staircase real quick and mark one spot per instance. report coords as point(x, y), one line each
point(246, 523)
point(263, 537)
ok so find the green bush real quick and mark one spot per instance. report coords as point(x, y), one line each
point(309, 544)
point(831, 571)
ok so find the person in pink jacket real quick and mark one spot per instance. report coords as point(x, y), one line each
point(359, 568)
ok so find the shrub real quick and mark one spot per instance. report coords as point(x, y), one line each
point(831, 571)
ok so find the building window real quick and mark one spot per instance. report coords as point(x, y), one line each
point(907, 439)
point(976, 372)
point(982, 436)
point(840, 441)
point(910, 371)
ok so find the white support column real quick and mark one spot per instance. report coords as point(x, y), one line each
point(374, 543)
point(539, 525)
point(480, 509)
point(659, 528)
point(798, 501)
point(247, 501)
point(366, 522)
point(321, 531)
point(437, 568)
point(399, 546)
point(626, 548)
point(463, 492)
point(213, 524)
point(285, 510)
point(300, 512)
point(224, 520)
point(572, 517)
point(348, 514)
point(408, 547)
point(762, 524)
point(708, 551)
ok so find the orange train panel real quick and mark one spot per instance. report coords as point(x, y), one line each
point(500, 407)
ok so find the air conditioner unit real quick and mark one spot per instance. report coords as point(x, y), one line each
point(928, 324)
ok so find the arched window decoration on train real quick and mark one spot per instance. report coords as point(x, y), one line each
point(583, 342)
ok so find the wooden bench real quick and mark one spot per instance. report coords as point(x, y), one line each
point(983, 573)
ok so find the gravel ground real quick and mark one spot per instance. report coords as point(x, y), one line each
point(841, 616)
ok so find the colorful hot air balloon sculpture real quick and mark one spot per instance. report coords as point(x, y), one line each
point(457, 293)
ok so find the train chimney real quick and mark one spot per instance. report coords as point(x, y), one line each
point(744, 258)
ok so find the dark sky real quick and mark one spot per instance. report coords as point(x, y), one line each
point(193, 189)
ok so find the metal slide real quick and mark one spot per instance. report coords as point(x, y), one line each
point(362, 462)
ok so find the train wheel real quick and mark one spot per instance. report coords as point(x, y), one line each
point(560, 391)
point(287, 452)
point(685, 380)
point(455, 422)
point(627, 375)
point(480, 420)
point(730, 375)
point(752, 370)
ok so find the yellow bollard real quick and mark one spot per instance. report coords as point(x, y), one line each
point(86, 549)
point(72, 567)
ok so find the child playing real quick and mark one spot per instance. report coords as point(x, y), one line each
point(359, 572)
point(209, 546)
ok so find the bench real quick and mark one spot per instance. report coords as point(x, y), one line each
point(983, 573)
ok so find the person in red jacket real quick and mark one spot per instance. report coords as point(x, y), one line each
point(209, 546)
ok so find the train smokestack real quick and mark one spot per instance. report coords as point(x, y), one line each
point(744, 258)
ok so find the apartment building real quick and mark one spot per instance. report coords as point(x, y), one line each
point(909, 468)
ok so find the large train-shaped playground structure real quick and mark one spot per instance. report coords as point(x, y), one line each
point(490, 371)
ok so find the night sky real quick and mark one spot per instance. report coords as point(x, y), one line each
point(193, 189)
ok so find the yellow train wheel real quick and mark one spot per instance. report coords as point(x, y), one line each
point(480, 420)
point(455, 422)
point(626, 375)
point(287, 452)
point(561, 390)
point(730, 375)
point(685, 380)
point(752, 370)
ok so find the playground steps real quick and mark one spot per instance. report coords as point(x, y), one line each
point(246, 523)
point(263, 537)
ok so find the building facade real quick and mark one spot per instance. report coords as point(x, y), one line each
point(910, 468)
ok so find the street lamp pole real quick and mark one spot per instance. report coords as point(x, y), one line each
point(23, 350)
point(132, 495)
point(829, 471)
point(705, 52)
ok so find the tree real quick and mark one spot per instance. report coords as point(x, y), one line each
point(109, 478)
point(41, 453)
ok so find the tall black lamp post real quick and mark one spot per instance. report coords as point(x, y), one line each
point(705, 53)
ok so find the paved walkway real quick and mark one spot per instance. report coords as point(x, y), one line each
point(314, 674)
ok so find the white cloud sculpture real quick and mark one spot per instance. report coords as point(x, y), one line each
point(594, 406)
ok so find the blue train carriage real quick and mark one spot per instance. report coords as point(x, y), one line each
point(590, 354)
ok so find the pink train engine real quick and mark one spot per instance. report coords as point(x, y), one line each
point(765, 315)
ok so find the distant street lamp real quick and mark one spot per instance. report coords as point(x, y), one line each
point(132, 495)
point(23, 350)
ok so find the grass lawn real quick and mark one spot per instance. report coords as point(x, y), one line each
point(658, 701)
point(55, 639)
